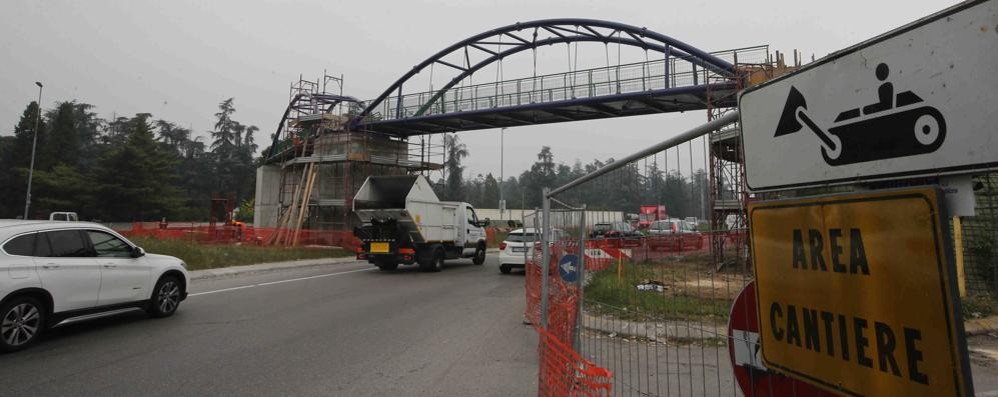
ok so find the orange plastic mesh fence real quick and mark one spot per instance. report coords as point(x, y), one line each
point(563, 372)
point(246, 234)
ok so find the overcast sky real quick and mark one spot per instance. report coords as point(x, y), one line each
point(178, 59)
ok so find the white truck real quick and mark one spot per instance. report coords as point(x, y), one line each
point(403, 222)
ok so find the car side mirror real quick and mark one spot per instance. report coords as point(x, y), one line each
point(138, 252)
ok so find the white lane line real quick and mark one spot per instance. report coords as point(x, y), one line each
point(278, 282)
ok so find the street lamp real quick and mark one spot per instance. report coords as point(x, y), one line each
point(34, 142)
point(502, 145)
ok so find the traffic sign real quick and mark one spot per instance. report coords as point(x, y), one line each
point(856, 293)
point(743, 348)
point(568, 268)
point(917, 100)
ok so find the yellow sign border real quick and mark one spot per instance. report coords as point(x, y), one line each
point(944, 261)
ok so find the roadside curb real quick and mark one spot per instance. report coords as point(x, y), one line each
point(277, 266)
point(663, 330)
point(980, 326)
point(655, 331)
point(267, 267)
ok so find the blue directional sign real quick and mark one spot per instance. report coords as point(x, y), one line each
point(568, 267)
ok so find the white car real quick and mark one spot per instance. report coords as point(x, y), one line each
point(52, 271)
point(519, 245)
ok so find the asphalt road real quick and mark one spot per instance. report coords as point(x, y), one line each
point(327, 331)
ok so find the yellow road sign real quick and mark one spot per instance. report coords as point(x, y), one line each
point(856, 293)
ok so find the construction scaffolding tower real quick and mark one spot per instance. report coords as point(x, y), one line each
point(317, 163)
point(727, 191)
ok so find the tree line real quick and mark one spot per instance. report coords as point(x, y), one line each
point(622, 190)
point(123, 169)
point(141, 168)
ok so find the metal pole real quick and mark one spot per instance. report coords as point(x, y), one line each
point(702, 129)
point(34, 142)
point(580, 281)
point(502, 146)
point(534, 236)
point(545, 255)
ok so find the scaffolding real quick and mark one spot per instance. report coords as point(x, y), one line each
point(727, 190)
point(317, 162)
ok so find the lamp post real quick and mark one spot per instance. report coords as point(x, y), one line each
point(502, 145)
point(34, 142)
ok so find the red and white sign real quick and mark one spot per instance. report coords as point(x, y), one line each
point(753, 377)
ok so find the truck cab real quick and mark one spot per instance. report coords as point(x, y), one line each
point(473, 231)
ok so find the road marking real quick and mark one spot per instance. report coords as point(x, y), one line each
point(278, 282)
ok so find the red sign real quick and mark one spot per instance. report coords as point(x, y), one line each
point(753, 377)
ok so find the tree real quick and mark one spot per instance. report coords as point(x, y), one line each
point(224, 133)
point(540, 175)
point(64, 143)
point(233, 149)
point(15, 158)
point(490, 191)
point(136, 181)
point(456, 151)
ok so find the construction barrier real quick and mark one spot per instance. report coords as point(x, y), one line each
point(229, 234)
point(563, 372)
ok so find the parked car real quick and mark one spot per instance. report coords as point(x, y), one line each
point(673, 235)
point(56, 271)
point(519, 245)
point(614, 230)
point(616, 234)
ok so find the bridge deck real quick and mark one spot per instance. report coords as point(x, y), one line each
point(663, 100)
point(649, 87)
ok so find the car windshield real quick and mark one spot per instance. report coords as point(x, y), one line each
point(521, 237)
point(601, 227)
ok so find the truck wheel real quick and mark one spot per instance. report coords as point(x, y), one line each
point(432, 260)
point(479, 255)
point(505, 269)
point(438, 259)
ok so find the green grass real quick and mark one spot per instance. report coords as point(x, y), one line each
point(210, 256)
point(624, 300)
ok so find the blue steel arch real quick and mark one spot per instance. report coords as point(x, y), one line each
point(564, 30)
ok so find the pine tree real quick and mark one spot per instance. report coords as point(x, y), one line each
point(456, 151)
point(15, 158)
point(135, 181)
point(490, 193)
point(63, 146)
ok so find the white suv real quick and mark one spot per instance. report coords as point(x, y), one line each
point(53, 271)
point(519, 245)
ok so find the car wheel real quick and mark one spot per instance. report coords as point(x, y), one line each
point(22, 321)
point(165, 297)
point(479, 255)
point(505, 269)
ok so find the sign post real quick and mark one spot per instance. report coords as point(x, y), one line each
point(856, 293)
point(918, 100)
